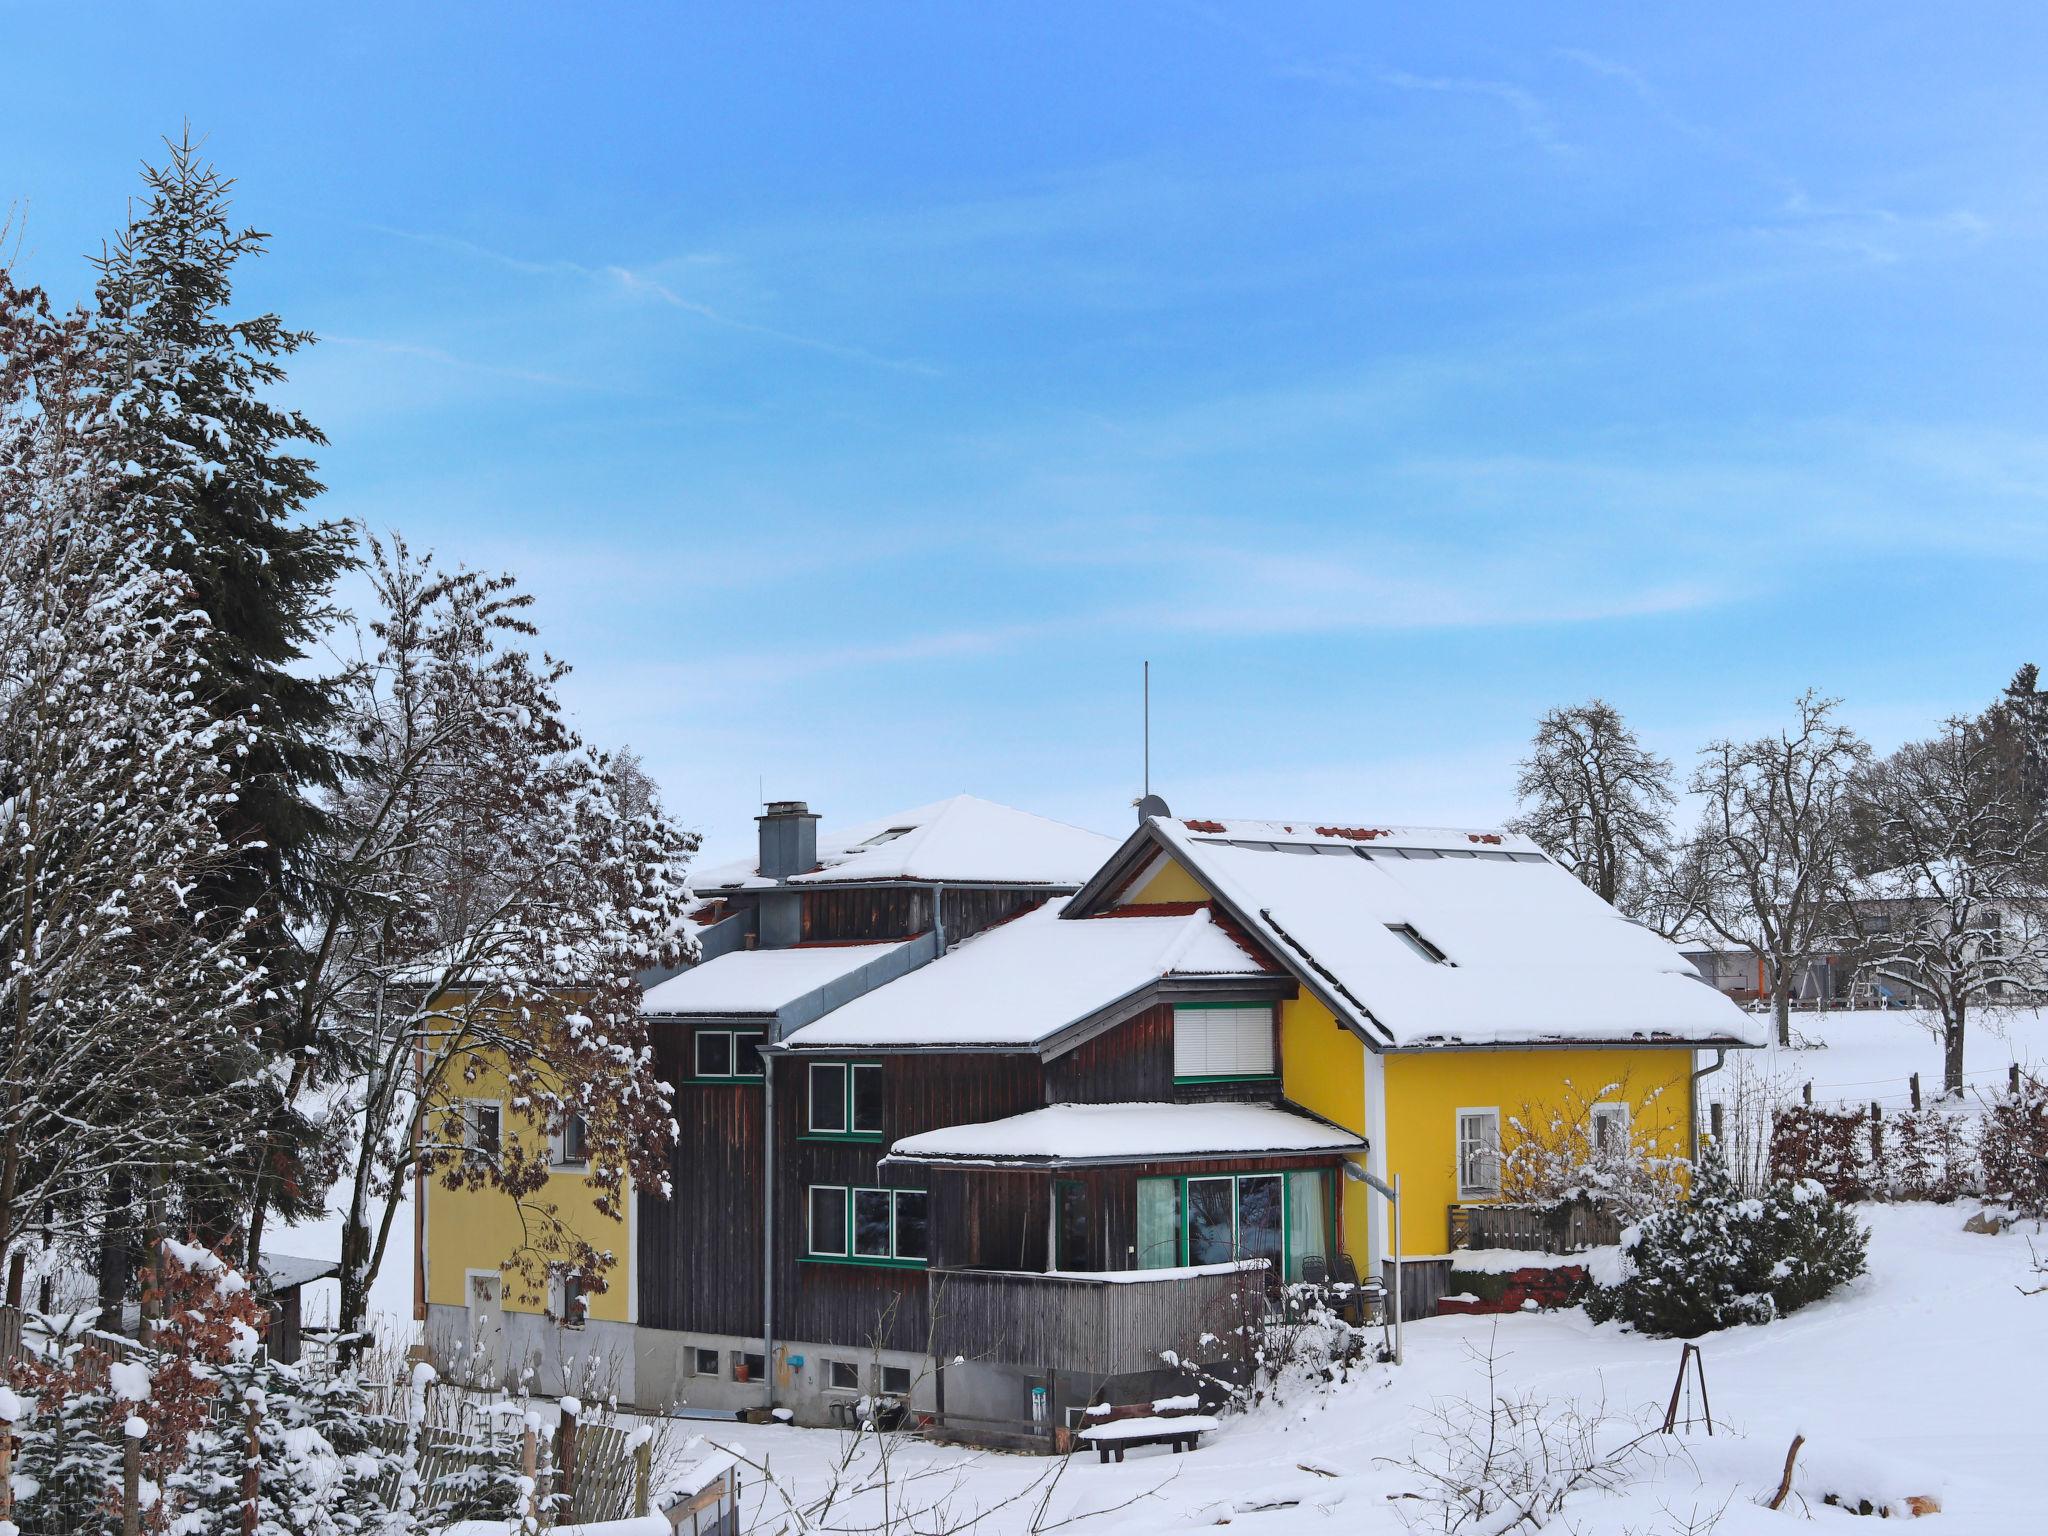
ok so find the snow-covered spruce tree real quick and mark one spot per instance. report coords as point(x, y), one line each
point(122, 977)
point(1952, 907)
point(1772, 849)
point(488, 889)
point(219, 469)
point(1599, 801)
point(1723, 1258)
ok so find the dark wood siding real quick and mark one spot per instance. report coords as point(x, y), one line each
point(1133, 1063)
point(897, 912)
point(700, 1251)
point(857, 1304)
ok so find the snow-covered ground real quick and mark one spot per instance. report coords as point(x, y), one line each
point(1924, 1377)
point(1865, 1055)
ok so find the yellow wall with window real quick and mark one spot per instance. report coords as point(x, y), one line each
point(480, 1229)
point(1425, 1091)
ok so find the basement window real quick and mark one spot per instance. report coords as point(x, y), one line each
point(842, 1376)
point(1415, 941)
point(896, 1380)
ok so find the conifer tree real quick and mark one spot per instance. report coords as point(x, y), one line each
point(221, 471)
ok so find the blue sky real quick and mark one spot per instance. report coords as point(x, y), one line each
point(867, 389)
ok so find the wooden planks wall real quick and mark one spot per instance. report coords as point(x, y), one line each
point(700, 1250)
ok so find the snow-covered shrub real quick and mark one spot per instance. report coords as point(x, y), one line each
point(1928, 1155)
point(1829, 1147)
point(2012, 1146)
point(1559, 1154)
point(1724, 1258)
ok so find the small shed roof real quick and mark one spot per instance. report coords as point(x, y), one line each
point(744, 982)
point(282, 1271)
point(1081, 1134)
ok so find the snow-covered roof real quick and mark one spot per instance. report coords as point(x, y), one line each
point(282, 1271)
point(1022, 982)
point(1077, 1134)
point(1527, 954)
point(750, 981)
point(964, 839)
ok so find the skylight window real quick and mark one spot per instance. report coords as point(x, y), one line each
point(889, 836)
point(1415, 941)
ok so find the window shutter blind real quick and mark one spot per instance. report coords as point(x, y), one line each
point(1223, 1042)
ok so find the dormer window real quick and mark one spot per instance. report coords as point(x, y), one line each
point(1415, 941)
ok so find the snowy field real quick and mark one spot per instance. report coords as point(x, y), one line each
point(1860, 1056)
point(1922, 1377)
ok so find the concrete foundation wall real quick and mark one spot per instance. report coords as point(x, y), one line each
point(594, 1361)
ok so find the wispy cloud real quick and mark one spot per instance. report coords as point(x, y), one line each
point(1529, 110)
point(642, 283)
point(446, 359)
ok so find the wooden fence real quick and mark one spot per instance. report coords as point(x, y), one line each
point(1569, 1228)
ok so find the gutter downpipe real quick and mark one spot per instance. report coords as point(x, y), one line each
point(768, 1223)
point(1720, 1060)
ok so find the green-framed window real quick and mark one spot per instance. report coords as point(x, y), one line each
point(844, 1099)
point(1224, 1043)
point(1190, 1219)
point(851, 1225)
point(726, 1056)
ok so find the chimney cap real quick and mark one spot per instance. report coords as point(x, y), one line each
point(785, 808)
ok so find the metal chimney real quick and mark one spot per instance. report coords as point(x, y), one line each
point(789, 839)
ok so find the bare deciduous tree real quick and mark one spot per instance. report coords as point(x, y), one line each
point(1599, 801)
point(488, 893)
point(1951, 906)
point(1772, 848)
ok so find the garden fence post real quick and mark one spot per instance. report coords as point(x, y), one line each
point(1876, 1140)
point(252, 1470)
point(1807, 1093)
point(1914, 1083)
point(131, 1484)
point(565, 1453)
point(643, 1477)
point(2012, 1079)
point(1714, 1115)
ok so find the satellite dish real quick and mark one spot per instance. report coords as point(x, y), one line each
point(1149, 806)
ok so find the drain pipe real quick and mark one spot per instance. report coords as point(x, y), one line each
point(768, 1223)
point(1720, 1060)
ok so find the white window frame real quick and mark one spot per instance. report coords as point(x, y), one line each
point(811, 1248)
point(558, 1301)
point(558, 1144)
point(734, 1055)
point(853, 1221)
point(842, 1365)
point(853, 1068)
point(697, 1354)
point(882, 1376)
point(1468, 1191)
point(472, 1132)
point(844, 1097)
point(1609, 1113)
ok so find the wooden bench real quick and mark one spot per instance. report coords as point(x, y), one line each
point(1174, 1421)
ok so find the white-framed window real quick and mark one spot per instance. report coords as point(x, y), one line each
point(746, 1367)
point(1610, 1127)
point(896, 1380)
point(828, 1221)
point(568, 1300)
point(845, 1098)
point(483, 1126)
point(842, 1376)
point(880, 1226)
point(705, 1362)
point(1222, 1041)
point(571, 1147)
point(727, 1055)
point(1478, 1153)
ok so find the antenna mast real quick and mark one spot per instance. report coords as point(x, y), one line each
point(1148, 727)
